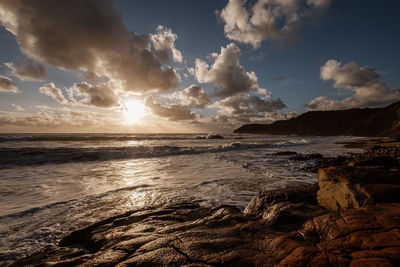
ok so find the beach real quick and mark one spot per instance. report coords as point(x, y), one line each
point(54, 184)
point(350, 217)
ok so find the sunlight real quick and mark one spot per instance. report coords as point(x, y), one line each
point(134, 111)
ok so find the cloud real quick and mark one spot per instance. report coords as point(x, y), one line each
point(87, 36)
point(191, 71)
point(247, 108)
point(18, 108)
point(268, 19)
point(27, 70)
point(368, 90)
point(51, 90)
point(164, 45)
point(226, 74)
point(174, 112)
point(46, 118)
point(193, 96)
point(8, 85)
point(102, 96)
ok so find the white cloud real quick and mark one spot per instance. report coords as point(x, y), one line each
point(268, 19)
point(51, 90)
point(226, 74)
point(164, 44)
point(368, 90)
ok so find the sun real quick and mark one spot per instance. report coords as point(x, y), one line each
point(134, 111)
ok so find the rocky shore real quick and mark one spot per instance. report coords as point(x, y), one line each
point(350, 218)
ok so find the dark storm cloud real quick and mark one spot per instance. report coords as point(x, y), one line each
point(88, 36)
point(27, 70)
point(364, 82)
point(8, 85)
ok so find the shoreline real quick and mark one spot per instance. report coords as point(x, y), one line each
point(279, 227)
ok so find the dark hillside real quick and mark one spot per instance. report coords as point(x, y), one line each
point(358, 122)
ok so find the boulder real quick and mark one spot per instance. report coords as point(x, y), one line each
point(214, 136)
point(345, 187)
point(290, 216)
point(263, 200)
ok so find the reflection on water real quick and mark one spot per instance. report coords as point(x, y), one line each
point(40, 203)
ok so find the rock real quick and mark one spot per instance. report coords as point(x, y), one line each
point(359, 227)
point(307, 157)
point(285, 153)
point(263, 200)
point(190, 235)
point(342, 188)
point(214, 136)
point(386, 161)
point(386, 157)
point(327, 162)
point(290, 216)
point(175, 235)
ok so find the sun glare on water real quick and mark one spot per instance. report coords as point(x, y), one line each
point(134, 111)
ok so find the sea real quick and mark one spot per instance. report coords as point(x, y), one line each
point(51, 184)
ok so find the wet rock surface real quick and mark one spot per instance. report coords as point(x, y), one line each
point(189, 235)
point(283, 227)
point(263, 200)
point(379, 156)
point(346, 187)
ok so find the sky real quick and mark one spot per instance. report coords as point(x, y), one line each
point(191, 66)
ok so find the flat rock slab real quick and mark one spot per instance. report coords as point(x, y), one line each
point(346, 187)
point(190, 235)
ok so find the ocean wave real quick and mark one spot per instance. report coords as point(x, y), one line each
point(71, 202)
point(28, 156)
point(89, 138)
point(293, 142)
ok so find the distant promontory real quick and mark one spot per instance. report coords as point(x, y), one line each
point(356, 122)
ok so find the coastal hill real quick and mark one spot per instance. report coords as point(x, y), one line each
point(358, 122)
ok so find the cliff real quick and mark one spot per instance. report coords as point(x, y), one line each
point(358, 122)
